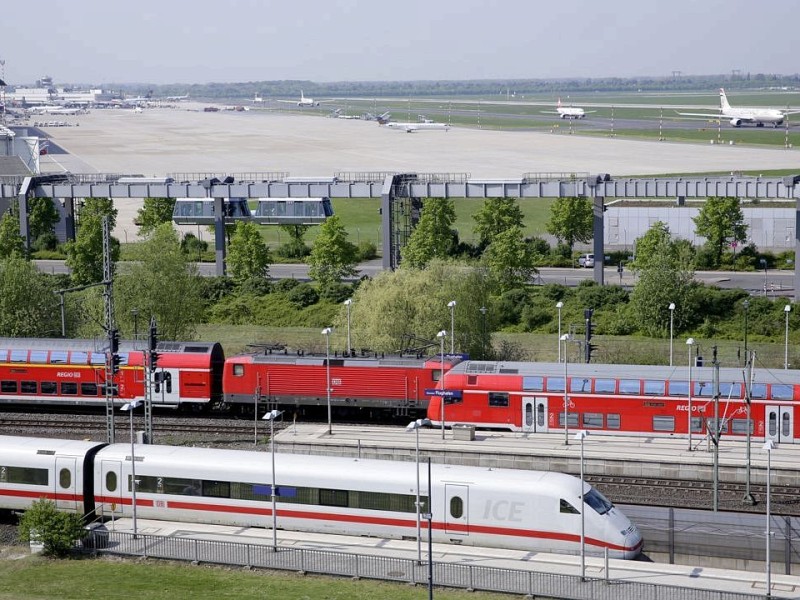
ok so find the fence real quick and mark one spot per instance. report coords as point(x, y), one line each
point(403, 570)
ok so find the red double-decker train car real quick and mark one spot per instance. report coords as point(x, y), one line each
point(72, 373)
point(368, 387)
point(629, 399)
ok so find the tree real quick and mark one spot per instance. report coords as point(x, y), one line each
point(57, 531)
point(248, 255)
point(433, 236)
point(28, 306)
point(333, 257)
point(510, 258)
point(295, 247)
point(11, 241)
point(153, 213)
point(654, 240)
point(85, 254)
point(164, 284)
point(496, 216)
point(571, 220)
point(42, 217)
point(721, 222)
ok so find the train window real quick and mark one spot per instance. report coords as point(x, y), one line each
point(69, 388)
point(27, 476)
point(3, 355)
point(390, 502)
point(499, 399)
point(238, 370)
point(8, 387)
point(39, 356)
point(781, 392)
point(613, 421)
point(555, 384)
point(712, 427)
point(3, 474)
point(577, 384)
point(540, 414)
point(88, 389)
point(436, 374)
point(655, 387)
point(629, 386)
point(605, 386)
point(678, 388)
point(597, 501)
point(216, 489)
point(566, 507)
point(19, 356)
point(758, 390)
point(571, 417)
point(772, 424)
point(663, 423)
point(98, 358)
point(740, 426)
point(58, 357)
point(65, 478)
point(333, 497)
point(528, 414)
point(456, 507)
point(786, 425)
point(697, 424)
point(28, 387)
point(111, 481)
point(49, 387)
point(114, 390)
point(533, 384)
point(731, 390)
point(78, 358)
point(594, 420)
point(703, 388)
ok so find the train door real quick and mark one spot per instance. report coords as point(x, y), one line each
point(66, 498)
point(166, 388)
point(456, 509)
point(779, 422)
point(109, 504)
point(534, 414)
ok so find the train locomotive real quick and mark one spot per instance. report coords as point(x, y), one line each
point(505, 508)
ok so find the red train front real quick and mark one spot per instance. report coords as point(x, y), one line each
point(361, 387)
point(530, 397)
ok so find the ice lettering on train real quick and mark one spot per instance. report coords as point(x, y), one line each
point(503, 510)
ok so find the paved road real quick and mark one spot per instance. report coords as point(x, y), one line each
point(779, 283)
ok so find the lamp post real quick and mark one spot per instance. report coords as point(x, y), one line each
point(690, 343)
point(768, 447)
point(671, 320)
point(129, 408)
point(347, 303)
point(271, 416)
point(580, 436)
point(452, 306)
point(565, 339)
point(327, 333)
point(441, 335)
point(746, 305)
point(415, 425)
point(786, 309)
point(559, 306)
point(483, 310)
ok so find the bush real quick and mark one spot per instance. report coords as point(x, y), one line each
point(367, 250)
point(57, 531)
point(214, 289)
point(303, 295)
point(286, 285)
point(46, 241)
point(335, 292)
point(255, 286)
point(296, 250)
point(192, 245)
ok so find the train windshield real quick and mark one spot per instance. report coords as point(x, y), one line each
point(597, 501)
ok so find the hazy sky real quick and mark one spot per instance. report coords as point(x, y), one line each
point(200, 41)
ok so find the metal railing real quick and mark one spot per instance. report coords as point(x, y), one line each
point(324, 562)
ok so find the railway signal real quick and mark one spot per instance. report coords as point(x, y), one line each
point(588, 346)
point(152, 343)
point(113, 338)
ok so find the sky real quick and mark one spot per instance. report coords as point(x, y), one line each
point(202, 41)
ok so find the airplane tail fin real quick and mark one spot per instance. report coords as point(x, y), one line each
point(723, 99)
point(384, 118)
point(558, 104)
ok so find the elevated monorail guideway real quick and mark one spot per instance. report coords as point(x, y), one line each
point(401, 196)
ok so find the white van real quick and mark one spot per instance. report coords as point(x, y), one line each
point(586, 260)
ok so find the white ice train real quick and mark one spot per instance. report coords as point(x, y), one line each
point(506, 508)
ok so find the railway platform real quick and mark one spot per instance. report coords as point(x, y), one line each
point(655, 579)
point(612, 455)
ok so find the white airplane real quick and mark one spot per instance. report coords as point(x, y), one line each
point(303, 102)
point(410, 127)
point(176, 98)
point(568, 112)
point(55, 110)
point(257, 99)
point(739, 116)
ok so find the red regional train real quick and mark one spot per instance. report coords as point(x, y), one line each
point(629, 399)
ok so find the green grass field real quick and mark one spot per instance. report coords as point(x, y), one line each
point(36, 578)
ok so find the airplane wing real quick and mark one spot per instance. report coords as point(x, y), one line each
point(323, 101)
point(287, 101)
point(549, 112)
point(716, 117)
point(795, 111)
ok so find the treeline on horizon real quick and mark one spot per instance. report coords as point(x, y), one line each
point(476, 87)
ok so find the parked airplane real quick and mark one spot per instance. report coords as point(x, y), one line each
point(177, 98)
point(741, 115)
point(257, 99)
point(568, 112)
point(410, 127)
point(56, 110)
point(303, 102)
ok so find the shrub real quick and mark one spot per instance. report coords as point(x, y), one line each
point(294, 249)
point(335, 292)
point(286, 285)
point(303, 295)
point(57, 531)
point(367, 250)
point(192, 245)
point(256, 286)
point(214, 289)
